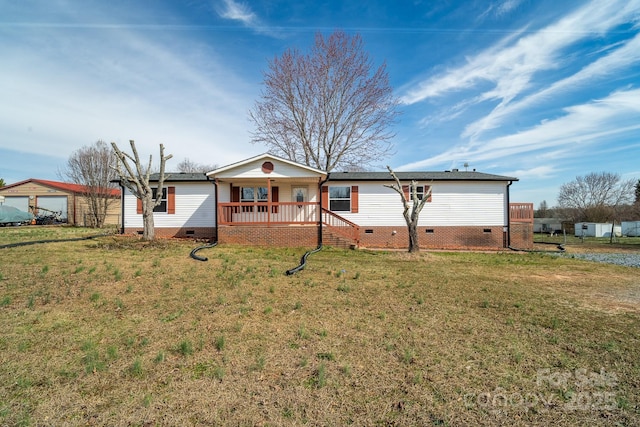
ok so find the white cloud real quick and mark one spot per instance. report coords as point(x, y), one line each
point(511, 64)
point(500, 9)
point(238, 12)
point(625, 55)
point(119, 84)
point(538, 172)
point(594, 122)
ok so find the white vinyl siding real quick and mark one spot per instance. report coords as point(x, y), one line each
point(453, 204)
point(194, 203)
point(253, 170)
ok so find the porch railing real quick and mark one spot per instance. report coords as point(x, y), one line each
point(241, 213)
point(341, 226)
point(521, 212)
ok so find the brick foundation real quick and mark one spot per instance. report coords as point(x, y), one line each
point(279, 236)
point(481, 238)
point(185, 232)
point(522, 235)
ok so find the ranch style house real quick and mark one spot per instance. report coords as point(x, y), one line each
point(270, 201)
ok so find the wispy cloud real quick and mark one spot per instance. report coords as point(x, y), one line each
point(511, 64)
point(500, 9)
point(625, 55)
point(581, 125)
point(238, 12)
point(69, 90)
point(537, 172)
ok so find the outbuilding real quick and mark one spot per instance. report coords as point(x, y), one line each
point(63, 202)
point(596, 229)
point(630, 228)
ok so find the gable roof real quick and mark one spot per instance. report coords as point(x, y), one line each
point(265, 156)
point(419, 176)
point(63, 186)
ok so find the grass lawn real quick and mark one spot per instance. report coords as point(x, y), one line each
point(114, 331)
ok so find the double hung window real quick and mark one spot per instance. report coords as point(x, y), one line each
point(340, 198)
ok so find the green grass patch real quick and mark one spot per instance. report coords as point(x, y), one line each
point(356, 338)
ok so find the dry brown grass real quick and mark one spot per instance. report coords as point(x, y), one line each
point(117, 332)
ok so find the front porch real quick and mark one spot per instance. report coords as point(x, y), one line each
point(283, 223)
point(268, 213)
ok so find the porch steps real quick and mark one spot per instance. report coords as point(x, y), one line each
point(335, 240)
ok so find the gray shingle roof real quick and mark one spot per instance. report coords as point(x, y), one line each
point(419, 176)
point(176, 177)
point(181, 176)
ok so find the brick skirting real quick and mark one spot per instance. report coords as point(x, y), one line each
point(188, 232)
point(457, 237)
point(279, 236)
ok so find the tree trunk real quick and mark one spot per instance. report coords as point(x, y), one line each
point(149, 231)
point(414, 246)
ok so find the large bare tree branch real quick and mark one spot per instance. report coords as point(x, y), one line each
point(92, 167)
point(138, 182)
point(411, 218)
point(326, 109)
point(595, 197)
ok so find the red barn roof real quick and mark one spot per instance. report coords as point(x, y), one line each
point(64, 186)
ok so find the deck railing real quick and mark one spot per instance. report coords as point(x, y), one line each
point(241, 213)
point(341, 226)
point(521, 212)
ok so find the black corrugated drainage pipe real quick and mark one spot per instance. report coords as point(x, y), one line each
point(35, 242)
point(193, 254)
point(198, 257)
point(303, 261)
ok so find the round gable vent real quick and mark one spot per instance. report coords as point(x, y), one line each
point(267, 167)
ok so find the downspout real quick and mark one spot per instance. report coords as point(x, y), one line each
point(121, 207)
point(509, 215)
point(303, 260)
point(193, 253)
point(322, 182)
point(215, 213)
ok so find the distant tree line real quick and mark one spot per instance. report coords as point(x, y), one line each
point(595, 197)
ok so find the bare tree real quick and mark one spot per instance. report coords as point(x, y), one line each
point(595, 197)
point(412, 217)
point(189, 166)
point(138, 183)
point(92, 167)
point(328, 108)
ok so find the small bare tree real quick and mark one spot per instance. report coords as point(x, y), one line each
point(411, 213)
point(328, 108)
point(138, 183)
point(189, 166)
point(595, 197)
point(92, 167)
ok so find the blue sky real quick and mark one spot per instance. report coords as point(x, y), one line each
point(541, 90)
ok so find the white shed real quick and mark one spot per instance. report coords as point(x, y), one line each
point(596, 229)
point(631, 228)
